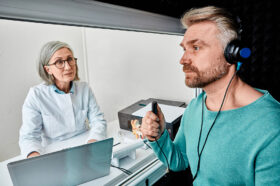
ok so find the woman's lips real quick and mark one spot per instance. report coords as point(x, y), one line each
point(68, 74)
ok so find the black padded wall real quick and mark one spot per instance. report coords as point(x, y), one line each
point(261, 25)
point(262, 33)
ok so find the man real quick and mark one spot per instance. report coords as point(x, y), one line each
point(230, 133)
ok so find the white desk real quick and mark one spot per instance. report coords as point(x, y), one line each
point(146, 168)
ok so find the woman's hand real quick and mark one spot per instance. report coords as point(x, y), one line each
point(91, 140)
point(33, 154)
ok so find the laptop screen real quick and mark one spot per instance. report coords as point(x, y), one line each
point(71, 166)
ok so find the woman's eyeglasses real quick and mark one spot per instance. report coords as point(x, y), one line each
point(61, 63)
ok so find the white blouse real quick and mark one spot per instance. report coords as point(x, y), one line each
point(52, 115)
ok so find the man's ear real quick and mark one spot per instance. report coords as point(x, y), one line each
point(47, 69)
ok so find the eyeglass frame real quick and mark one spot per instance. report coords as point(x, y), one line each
point(75, 59)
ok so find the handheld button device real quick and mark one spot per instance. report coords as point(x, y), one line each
point(154, 108)
point(155, 111)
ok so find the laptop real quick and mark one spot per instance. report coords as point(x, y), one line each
point(70, 166)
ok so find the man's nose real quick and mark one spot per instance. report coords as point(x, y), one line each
point(185, 58)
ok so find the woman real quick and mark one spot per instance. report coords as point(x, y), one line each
point(61, 107)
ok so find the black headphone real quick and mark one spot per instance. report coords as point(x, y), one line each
point(236, 51)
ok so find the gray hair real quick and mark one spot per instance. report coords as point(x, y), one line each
point(46, 53)
point(225, 22)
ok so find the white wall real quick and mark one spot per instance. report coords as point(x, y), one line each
point(125, 67)
point(121, 67)
point(20, 43)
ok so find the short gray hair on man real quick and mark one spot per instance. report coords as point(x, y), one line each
point(225, 21)
point(45, 55)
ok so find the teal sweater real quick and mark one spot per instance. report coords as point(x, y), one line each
point(243, 147)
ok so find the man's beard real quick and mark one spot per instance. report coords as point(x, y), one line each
point(202, 79)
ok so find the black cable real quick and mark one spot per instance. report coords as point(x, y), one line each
point(155, 111)
point(163, 155)
point(202, 104)
point(123, 170)
point(147, 144)
point(199, 154)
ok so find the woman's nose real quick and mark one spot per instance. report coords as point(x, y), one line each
point(66, 65)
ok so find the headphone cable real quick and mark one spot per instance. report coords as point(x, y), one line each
point(199, 154)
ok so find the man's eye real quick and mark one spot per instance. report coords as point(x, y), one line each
point(196, 48)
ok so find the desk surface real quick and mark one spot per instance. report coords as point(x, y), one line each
point(143, 166)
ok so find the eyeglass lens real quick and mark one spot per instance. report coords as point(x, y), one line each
point(61, 63)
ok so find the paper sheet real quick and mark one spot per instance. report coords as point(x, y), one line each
point(170, 112)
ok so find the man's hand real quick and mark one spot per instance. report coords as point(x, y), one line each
point(33, 154)
point(152, 125)
point(91, 140)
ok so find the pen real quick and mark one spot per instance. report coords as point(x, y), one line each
point(117, 144)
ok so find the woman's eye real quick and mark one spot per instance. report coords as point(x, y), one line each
point(59, 62)
point(69, 59)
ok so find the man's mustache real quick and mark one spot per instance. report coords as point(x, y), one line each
point(190, 68)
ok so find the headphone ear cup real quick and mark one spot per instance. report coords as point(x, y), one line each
point(236, 52)
point(231, 51)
